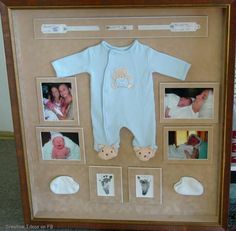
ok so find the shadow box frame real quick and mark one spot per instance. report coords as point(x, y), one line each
point(8, 6)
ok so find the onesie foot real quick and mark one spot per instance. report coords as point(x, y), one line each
point(144, 154)
point(107, 152)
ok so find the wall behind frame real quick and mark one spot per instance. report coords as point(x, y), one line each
point(5, 107)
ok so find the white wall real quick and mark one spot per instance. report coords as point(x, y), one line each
point(5, 108)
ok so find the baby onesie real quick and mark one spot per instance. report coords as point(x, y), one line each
point(122, 93)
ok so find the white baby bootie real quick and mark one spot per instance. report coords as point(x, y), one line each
point(144, 154)
point(188, 186)
point(64, 185)
point(107, 152)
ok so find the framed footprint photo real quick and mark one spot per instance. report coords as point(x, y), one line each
point(106, 184)
point(145, 185)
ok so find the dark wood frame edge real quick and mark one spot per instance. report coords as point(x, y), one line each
point(230, 69)
point(15, 113)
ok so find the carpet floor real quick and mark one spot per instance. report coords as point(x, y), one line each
point(10, 203)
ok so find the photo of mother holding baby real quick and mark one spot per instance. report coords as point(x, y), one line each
point(57, 101)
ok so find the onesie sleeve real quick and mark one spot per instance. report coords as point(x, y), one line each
point(168, 65)
point(72, 64)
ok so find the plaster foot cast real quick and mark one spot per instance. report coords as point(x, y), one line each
point(64, 185)
point(144, 154)
point(107, 152)
point(189, 186)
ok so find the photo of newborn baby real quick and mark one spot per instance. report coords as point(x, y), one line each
point(188, 103)
point(59, 150)
point(188, 145)
point(60, 145)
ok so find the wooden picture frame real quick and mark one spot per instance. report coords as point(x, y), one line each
point(201, 32)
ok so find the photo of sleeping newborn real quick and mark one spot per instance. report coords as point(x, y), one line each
point(60, 145)
point(57, 101)
point(188, 103)
point(186, 145)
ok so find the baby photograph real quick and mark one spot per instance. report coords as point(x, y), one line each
point(187, 145)
point(60, 145)
point(188, 103)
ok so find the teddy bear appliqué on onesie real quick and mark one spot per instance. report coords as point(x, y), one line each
point(121, 78)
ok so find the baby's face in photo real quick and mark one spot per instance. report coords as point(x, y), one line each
point(193, 141)
point(184, 102)
point(58, 142)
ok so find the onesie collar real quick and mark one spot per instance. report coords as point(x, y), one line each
point(121, 49)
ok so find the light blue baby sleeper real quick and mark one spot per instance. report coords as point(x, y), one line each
point(122, 88)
